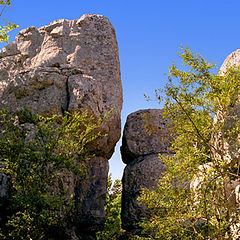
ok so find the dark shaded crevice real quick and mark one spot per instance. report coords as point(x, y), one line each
point(67, 95)
point(68, 73)
point(66, 102)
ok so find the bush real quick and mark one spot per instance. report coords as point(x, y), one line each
point(193, 198)
point(112, 228)
point(41, 155)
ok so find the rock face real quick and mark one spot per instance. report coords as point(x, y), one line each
point(145, 136)
point(229, 145)
point(69, 66)
point(4, 193)
point(226, 149)
point(231, 187)
point(138, 139)
point(232, 59)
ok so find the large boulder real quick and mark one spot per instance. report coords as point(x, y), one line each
point(145, 136)
point(145, 133)
point(69, 66)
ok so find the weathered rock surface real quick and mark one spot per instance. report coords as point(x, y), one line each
point(69, 66)
point(232, 59)
point(231, 187)
point(228, 145)
point(145, 136)
point(136, 139)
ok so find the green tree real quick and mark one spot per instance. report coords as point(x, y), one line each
point(6, 26)
point(195, 98)
point(41, 155)
point(112, 228)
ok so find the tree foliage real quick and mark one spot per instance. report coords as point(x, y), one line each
point(42, 156)
point(112, 228)
point(195, 199)
point(6, 26)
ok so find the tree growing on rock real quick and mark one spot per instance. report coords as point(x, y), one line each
point(5, 27)
point(198, 195)
point(41, 157)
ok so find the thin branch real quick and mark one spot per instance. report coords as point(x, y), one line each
point(194, 125)
point(205, 203)
point(2, 10)
point(235, 175)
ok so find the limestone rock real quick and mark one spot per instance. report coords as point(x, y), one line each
point(65, 66)
point(232, 59)
point(228, 145)
point(69, 66)
point(206, 174)
point(140, 149)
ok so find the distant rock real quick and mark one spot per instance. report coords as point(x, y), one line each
point(70, 66)
point(145, 136)
point(232, 59)
point(227, 145)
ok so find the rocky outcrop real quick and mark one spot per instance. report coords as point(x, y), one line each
point(228, 144)
point(145, 136)
point(206, 173)
point(69, 66)
point(232, 59)
point(140, 149)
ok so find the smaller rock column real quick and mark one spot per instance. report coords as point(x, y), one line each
point(145, 136)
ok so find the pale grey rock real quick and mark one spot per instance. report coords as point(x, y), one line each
point(70, 66)
point(232, 59)
point(65, 66)
point(227, 146)
point(145, 136)
point(207, 173)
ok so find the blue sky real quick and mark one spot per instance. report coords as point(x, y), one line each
point(149, 34)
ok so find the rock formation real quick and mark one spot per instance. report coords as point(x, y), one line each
point(145, 136)
point(140, 149)
point(229, 145)
point(69, 66)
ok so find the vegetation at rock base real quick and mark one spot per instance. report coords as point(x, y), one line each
point(196, 198)
point(6, 26)
point(42, 156)
point(112, 228)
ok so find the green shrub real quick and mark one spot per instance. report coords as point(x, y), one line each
point(193, 96)
point(41, 155)
point(112, 228)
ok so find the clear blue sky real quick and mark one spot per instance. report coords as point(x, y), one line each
point(149, 34)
